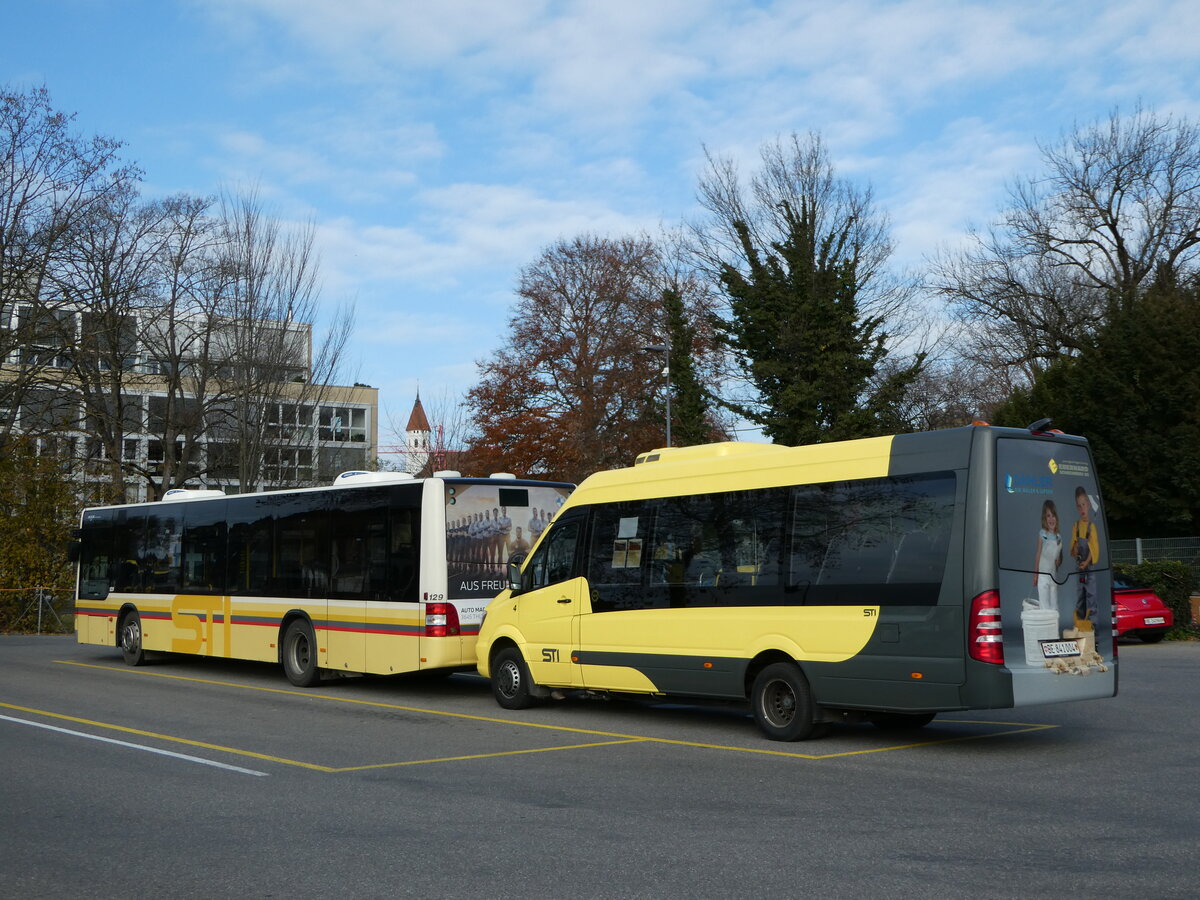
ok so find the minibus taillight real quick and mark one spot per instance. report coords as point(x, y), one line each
point(441, 620)
point(986, 639)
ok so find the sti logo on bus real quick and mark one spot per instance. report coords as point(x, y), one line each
point(549, 654)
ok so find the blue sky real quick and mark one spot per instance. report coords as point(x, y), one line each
point(439, 147)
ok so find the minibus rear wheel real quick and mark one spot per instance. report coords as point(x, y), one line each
point(900, 721)
point(782, 702)
point(510, 680)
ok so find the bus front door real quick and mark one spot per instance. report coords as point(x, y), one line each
point(549, 621)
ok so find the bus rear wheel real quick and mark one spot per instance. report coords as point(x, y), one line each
point(511, 684)
point(299, 654)
point(131, 639)
point(782, 703)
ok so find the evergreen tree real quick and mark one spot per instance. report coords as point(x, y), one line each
point(691, 416)
point(1134, 391)
point(801, 339)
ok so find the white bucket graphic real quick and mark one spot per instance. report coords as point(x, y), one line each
point(1038, 625)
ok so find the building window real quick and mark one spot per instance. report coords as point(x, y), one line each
point(343, 423)
point(45, 335)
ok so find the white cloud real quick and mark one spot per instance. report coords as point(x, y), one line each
point(442, 146)
point(944, 186)
point(459, 235)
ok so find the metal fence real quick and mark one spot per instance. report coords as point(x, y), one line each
point(1139, 550)
point(39, 609)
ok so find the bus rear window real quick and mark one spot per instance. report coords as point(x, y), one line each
point(1043, 486)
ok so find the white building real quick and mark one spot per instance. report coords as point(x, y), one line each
point(307, 433)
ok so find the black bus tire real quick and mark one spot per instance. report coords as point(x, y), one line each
point(782, 703)
point(511, 683)
point(900, 721)
point(299, 654)
point(130, 638)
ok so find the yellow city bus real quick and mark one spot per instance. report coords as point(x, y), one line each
point(886, 579)
point(380, 573)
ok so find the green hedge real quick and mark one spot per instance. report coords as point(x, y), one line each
point(1171, 580)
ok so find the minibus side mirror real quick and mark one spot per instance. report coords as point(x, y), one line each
point(73, 551)
point(514, 572)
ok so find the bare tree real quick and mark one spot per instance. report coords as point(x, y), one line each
point(268, 309)
point(1116, 206)
point(108, 281)
point(183, 344)
point(951, 391)
point(50, 179)
point(156, 317)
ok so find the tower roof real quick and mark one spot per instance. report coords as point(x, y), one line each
point(417, 420)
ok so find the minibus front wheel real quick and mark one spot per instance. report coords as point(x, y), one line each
point(511, 685)
point(782, 703)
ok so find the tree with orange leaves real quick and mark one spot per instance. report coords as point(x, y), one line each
point(574, 388)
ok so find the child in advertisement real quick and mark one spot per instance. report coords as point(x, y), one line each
point(1048, 558)
point(1085, 547)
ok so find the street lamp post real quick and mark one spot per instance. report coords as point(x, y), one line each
point(666, 352)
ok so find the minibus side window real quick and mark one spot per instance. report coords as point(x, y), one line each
point(619, 556)
point(554, 560)
point(880, 541)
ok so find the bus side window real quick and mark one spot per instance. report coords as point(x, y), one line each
point(128, 533)
point(204, 548)
point(879, 541)
point(97, 566)
point(248, 554)
point(303, 556)
point(358, 562)
point(162, 561)
point(404, 556)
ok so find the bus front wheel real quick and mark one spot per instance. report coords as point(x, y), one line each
point(300, 654)
point(782, 702)
point(510, 680)
point(131, 639)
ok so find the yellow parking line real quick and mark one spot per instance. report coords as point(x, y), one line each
point(421, 762)
point(293, 762)
point(332, 698)
point(1009, 727)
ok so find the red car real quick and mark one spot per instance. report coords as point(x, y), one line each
point(1140, 611)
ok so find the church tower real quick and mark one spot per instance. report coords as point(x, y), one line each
point(417, 435)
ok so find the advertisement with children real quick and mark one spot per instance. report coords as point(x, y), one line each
point(1055, 575)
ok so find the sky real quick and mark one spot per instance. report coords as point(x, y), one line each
point(439, 147)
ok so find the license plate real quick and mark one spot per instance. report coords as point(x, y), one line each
point(1055, 649)
point(1155, 620)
